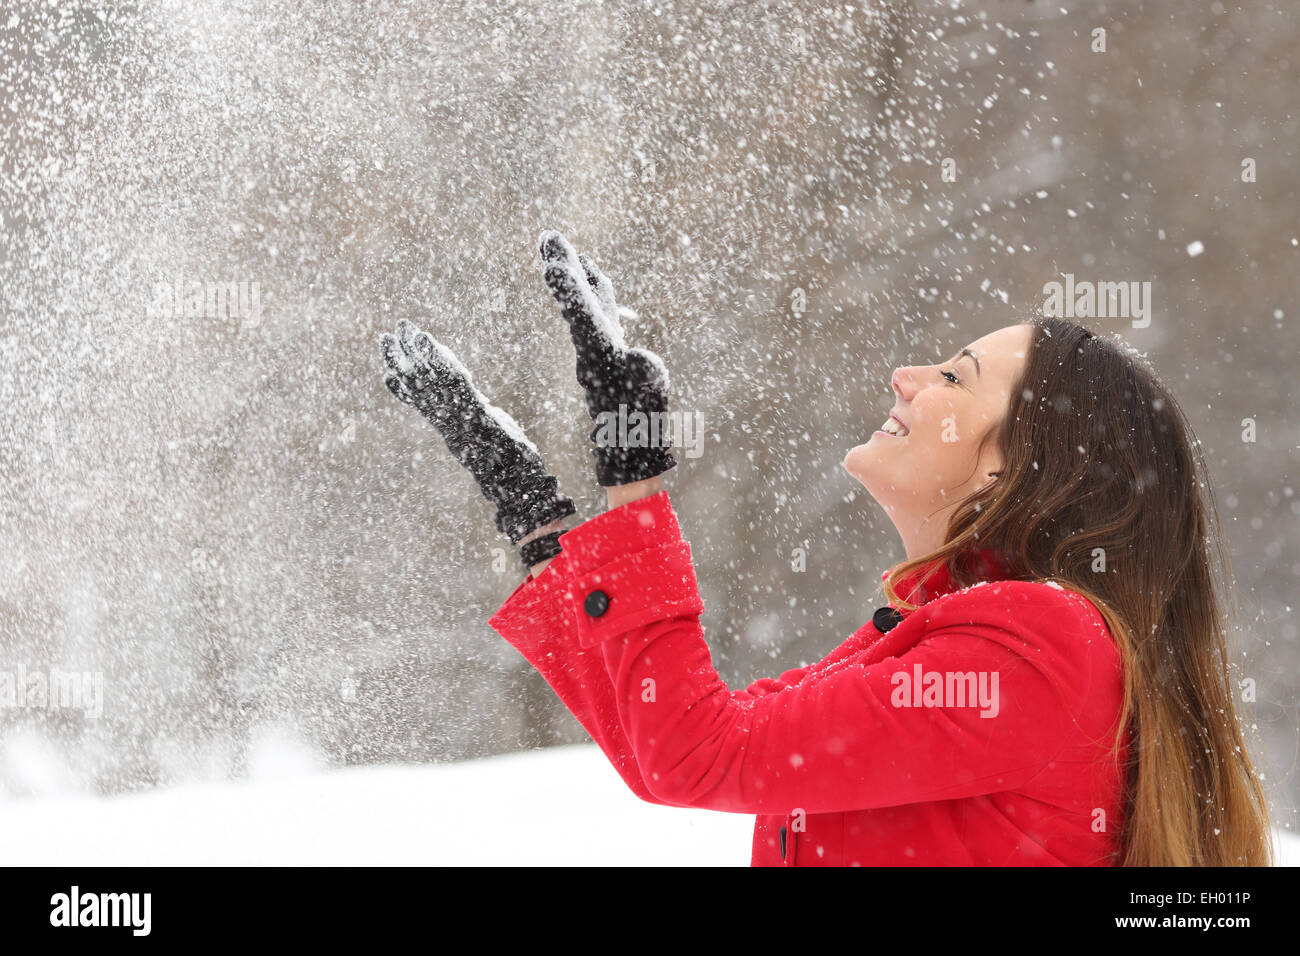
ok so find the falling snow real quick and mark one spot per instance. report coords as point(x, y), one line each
point(212, 208)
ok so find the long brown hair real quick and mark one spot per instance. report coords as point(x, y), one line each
point(1104, 491)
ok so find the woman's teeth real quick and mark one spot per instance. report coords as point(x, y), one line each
point(892, 427)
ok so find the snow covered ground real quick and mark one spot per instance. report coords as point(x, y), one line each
point(563, 805)
point(559, 806)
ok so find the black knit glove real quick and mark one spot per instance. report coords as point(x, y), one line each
point(509, 471)
point(627, 389)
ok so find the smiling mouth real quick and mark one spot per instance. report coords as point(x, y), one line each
point(895, 428)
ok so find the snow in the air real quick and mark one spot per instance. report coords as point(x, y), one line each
point(212, 507)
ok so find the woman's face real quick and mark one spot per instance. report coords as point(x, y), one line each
point(940, 414)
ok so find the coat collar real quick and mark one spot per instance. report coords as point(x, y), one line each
point(930, 581)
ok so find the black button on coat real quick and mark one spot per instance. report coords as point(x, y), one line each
point(596, 604)
point(886, 619)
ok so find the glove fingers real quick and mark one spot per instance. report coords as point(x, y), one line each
point(422, 372)
point(601, 284)
point(394, 356)
point(649, 369)
point(406, 333)
point(441, 361)
point(422, 348)
point(399, 391)
point(425, 374)
point(593, 335)
point(556, 249)
point(570, 284)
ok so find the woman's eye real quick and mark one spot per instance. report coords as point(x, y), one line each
point(951, 377)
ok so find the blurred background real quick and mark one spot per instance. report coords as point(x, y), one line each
point(215, 505)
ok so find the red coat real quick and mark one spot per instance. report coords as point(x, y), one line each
point(859, 758)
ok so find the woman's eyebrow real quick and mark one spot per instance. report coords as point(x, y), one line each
point(973, 357)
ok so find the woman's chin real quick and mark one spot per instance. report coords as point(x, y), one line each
point(860, 462)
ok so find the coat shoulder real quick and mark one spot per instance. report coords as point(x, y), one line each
point(1035, 605)
point(1055, 629)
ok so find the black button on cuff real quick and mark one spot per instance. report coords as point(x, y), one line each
point(596, 604)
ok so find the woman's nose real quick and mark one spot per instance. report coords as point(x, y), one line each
point(902, 381)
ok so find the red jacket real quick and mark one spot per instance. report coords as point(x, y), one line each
point(870, 756)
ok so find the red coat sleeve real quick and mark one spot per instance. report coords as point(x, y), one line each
point(832, 737)
point(537, 622)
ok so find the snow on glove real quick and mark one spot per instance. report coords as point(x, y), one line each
point(627, 389)
point(509, 471)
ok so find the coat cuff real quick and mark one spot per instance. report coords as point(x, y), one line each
point(653, 584)
point(627, 568)
point(632, 527)
point(529, 606)
point(618, 571)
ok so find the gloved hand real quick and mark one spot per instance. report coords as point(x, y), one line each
point(427, 376)
point(620, 382)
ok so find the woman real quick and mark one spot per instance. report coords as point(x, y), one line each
point(1048, 685)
